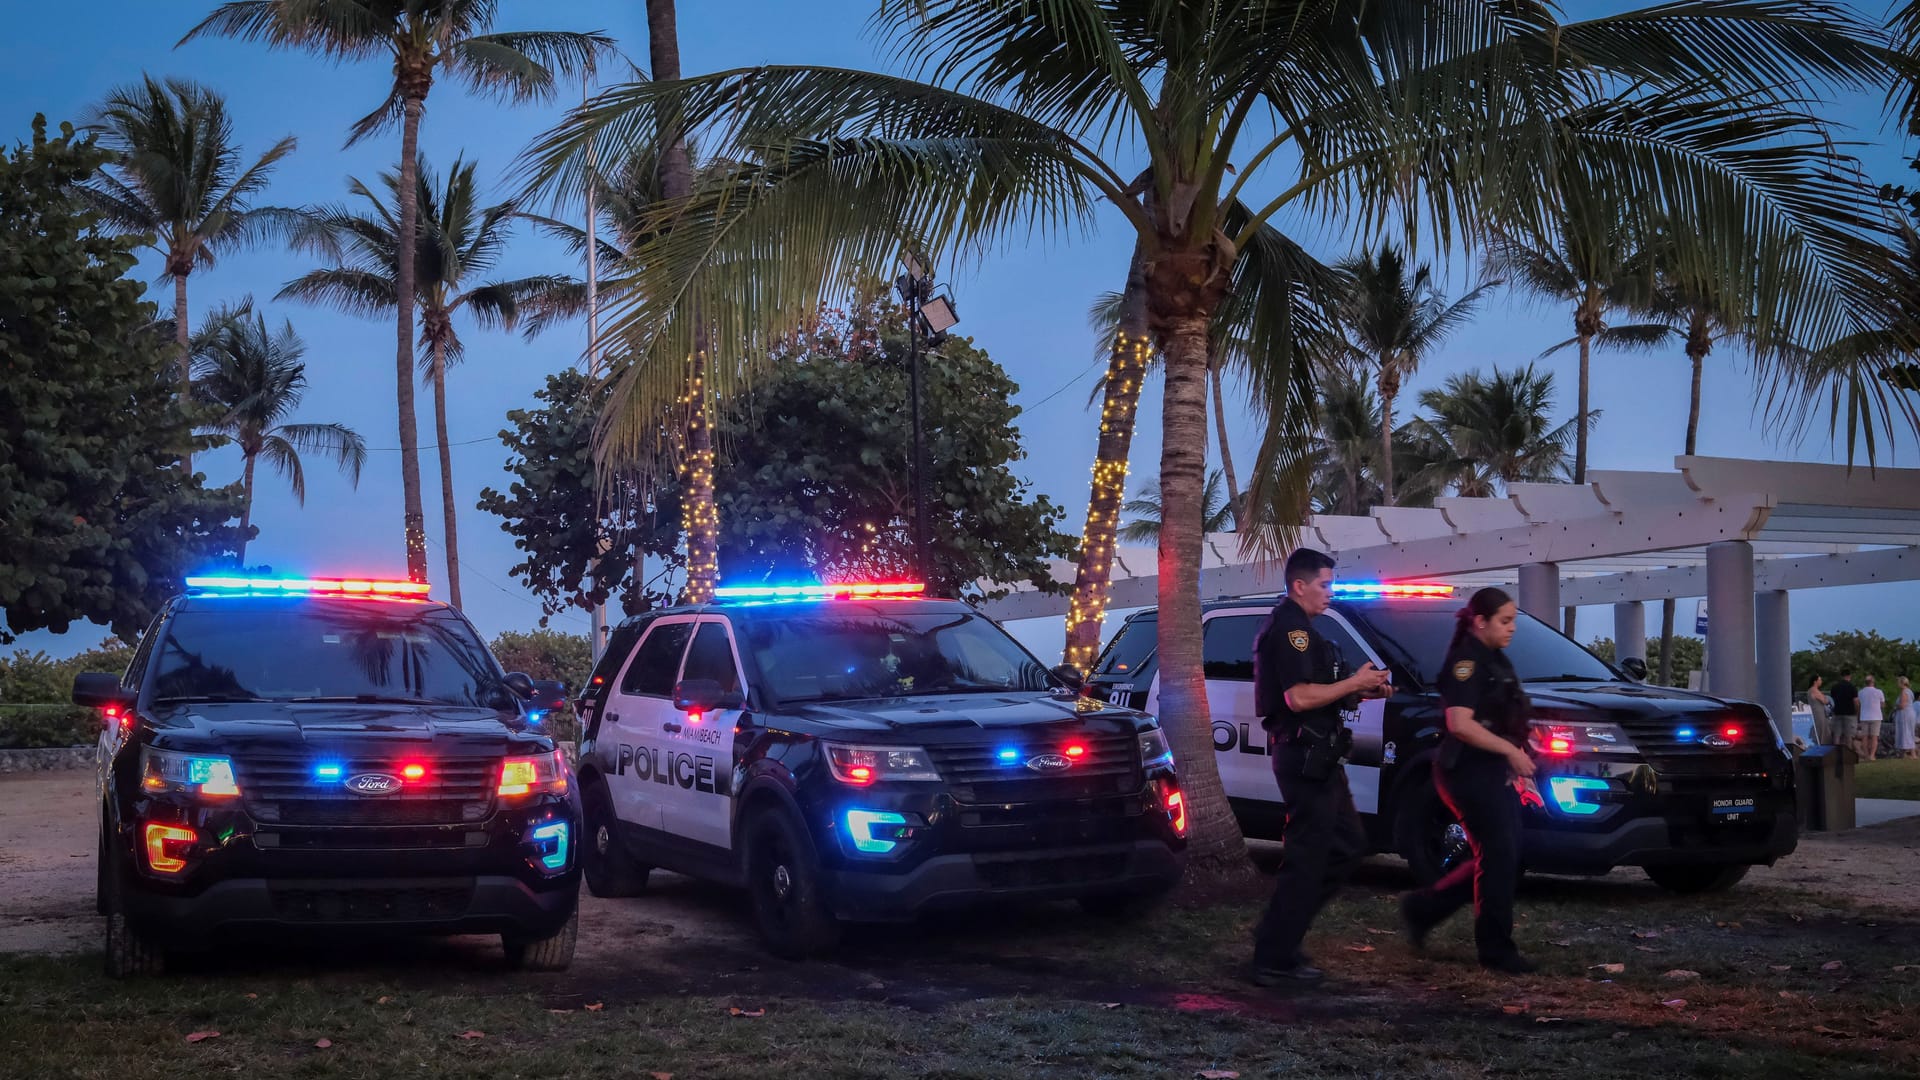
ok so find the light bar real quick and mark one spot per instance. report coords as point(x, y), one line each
point(310, 586)
point(846, 590)
point(1369, 589)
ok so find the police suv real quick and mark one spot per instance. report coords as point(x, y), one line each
point(861, 752)
point(319, 755)
point(1691, 788)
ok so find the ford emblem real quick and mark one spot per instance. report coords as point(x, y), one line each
point(1048, 763)
point(1716, 740)
point(373, 783)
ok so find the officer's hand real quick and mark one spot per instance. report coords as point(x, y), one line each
point(1521, 761)
point(1371, 678)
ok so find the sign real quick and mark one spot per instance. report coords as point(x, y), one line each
point(1700, 619)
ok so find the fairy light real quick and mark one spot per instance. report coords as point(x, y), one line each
point(1089, 604)
point(699, 516)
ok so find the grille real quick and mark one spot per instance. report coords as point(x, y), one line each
point(370, 905)
point(975, 772)
point(371, 838)
point(282, 789)
point(1655, 739)
point(1051, 868)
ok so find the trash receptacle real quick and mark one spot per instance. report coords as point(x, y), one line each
point(1823, 784)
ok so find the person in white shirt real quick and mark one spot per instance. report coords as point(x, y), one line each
point(1873, 705)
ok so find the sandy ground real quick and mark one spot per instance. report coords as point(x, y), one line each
point(48, 832)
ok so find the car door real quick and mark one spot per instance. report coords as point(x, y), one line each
point(1239, 742)
point(641, 705)
point(1367, 720)
point(697, 747)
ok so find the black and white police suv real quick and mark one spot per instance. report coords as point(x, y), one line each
point(320, 755)
point(1691, 788)
point(860, 752)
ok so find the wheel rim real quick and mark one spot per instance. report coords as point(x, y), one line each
point(602, 841)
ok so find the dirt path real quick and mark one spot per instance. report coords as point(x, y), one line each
point(47, 842)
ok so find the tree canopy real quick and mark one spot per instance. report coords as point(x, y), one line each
point(96, 519)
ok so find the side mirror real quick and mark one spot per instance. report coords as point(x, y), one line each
point(1635, 668)
point(1070, 676)
point(704, 695)
point(521, 684)
point(99, 690)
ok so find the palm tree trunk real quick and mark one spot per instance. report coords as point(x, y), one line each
point(1580, 430)
point(699, 516)
point(246, 512)
point(181, 336)
point(1226, 451)
point(1093, 582)
point(1699, 343)
point(446, 471)
point(1388, 391)
point(1184, 291)
point(1666, 640)
point(415, 524)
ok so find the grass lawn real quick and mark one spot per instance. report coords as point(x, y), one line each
point(1888, 779)
point(1754, 983)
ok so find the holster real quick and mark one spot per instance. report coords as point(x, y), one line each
point(1325, 750)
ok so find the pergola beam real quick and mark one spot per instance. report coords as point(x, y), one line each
point(1770, 575)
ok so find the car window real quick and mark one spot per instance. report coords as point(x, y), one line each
point(834, 652)
point(1227, 646)
point(135, 675)
point(1420, 636)
point(653, 668)
point(711, 657)
point(1131, 647)
point(1352, 656)
point(619, 646)
point(305, 650)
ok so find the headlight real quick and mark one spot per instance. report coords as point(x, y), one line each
point(191, 774)
point(533, 775)
point(863, 765)
point(1556, 738)
point(1155, 751)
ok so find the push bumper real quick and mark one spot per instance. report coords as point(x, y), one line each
point(943, 882)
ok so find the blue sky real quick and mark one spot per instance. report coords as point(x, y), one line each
point(1025, 306)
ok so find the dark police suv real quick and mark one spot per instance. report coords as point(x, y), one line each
point(861, 752)
point(320, 755)
point(1691, 788)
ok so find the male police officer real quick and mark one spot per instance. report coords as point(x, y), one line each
point(1298, 692)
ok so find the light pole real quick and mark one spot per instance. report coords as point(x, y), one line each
point(936, 315)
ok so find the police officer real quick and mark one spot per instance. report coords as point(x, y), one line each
point(1299, 690)
point(1482, 770)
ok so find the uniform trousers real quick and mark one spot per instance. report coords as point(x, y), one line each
point(1323, 842)
point(1480, 792)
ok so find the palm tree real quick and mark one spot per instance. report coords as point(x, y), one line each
point(1145, 527)
point(1346, 447)
point(255, 378)
point(1392, 323)
point(1484, 433)
point(1030, 113)
point(457, 241)
point(179, 179)
point(424, 39)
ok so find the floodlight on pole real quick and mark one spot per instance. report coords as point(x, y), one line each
point(933, 315)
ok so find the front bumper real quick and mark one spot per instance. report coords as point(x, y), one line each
point(961, 880)
point(1699, 824)
point(246, 877)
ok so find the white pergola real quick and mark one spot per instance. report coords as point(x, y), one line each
point(1744, 534)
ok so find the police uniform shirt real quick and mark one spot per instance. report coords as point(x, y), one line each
point(1287, 653)
point(1482, 679)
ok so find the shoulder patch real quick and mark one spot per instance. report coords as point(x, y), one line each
point(1463, 671)
point(1297, 639)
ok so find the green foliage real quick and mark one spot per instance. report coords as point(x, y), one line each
point(546, 654)
point(1689, 655)
point(814, 475)
point(34, 678)
point(1860, 654)
point(34, 727)
point(580, 545)
point(96, 520)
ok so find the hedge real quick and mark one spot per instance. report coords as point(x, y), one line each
point(32, 727)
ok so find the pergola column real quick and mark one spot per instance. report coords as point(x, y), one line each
point(1540, 591)
point(1774, 644)
point(1730, 634)
point(1630, 631)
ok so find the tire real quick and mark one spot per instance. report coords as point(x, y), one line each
point(130, 951)
point(1427, 833)
point(790, 906)
point(1124, 907)
point(1689, 878)
point(610, 868)
point(100, 870)
point(552, 953)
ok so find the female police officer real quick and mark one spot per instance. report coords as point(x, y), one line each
point(1481, 764)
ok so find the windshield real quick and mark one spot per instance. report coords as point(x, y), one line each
point(307, 651)
point(817, 653)
point(1130, 648)
point(1419, 636)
